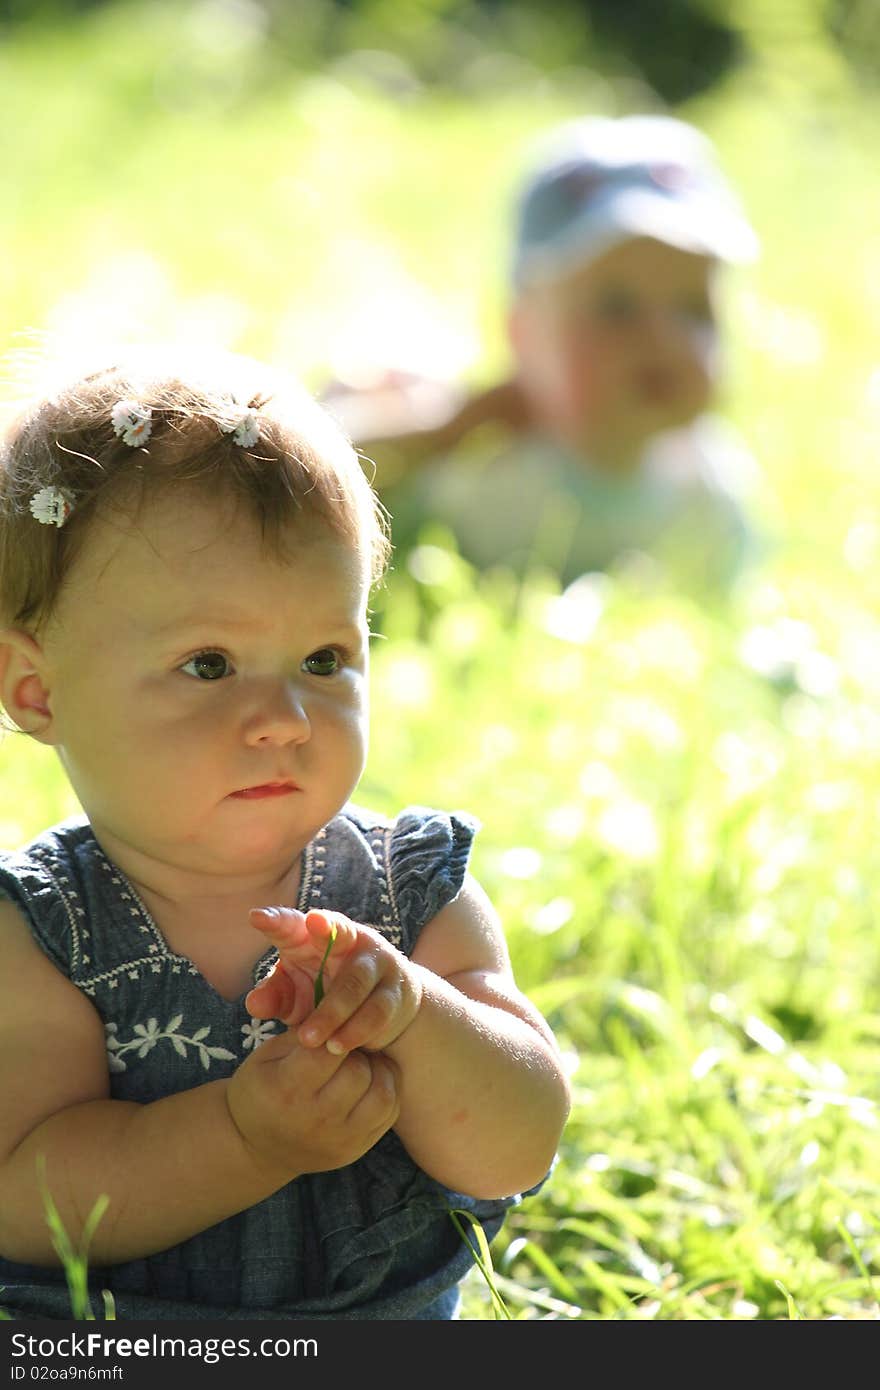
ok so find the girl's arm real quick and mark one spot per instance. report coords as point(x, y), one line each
point(483, 1094)
point(169, 1168)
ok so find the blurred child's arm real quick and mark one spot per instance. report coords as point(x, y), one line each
point(483, 1095)
point(169, 1168)
point(397, 450)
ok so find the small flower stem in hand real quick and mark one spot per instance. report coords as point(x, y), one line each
point(319, 978)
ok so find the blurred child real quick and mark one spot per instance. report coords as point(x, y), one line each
point(601, 443)
point(186, 556)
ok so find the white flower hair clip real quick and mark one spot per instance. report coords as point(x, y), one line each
point(51, 506)
point(245, 430)
point(132, 422)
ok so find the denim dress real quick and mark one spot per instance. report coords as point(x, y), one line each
point(372, 1240)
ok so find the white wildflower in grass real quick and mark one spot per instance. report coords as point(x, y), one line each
point(565, 823)
point(433, 565)
point(629, 827)
point(407, 680)
point(816, 674)
point(521, 862)
point(552, 915)
point(775, 649)
point(644, 717)
point(809, 1154)
point(599, 781)
point(132, 422)
point(744, 1308)
point(574, 615)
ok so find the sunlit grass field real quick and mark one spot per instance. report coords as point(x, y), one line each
point(678, 801)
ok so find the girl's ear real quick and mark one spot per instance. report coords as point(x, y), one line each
point(23, 689)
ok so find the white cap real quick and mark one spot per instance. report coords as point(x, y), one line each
point(601, 180)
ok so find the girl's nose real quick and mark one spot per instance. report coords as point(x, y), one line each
point(279, 718)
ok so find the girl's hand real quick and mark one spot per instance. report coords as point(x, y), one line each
point(304, 1110)
point(372, 992)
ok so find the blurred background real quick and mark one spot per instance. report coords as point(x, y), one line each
point(330, 185)
point(678, 800)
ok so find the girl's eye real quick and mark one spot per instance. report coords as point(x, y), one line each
point(325, 662)
point(208, 666)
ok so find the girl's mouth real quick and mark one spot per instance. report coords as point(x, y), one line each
point(266, 789)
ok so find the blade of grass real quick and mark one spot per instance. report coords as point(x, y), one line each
point(319, 978)
point(794, 1312)
point(74, 1261)
point(860, 1264)
point(482, 1256)
point(536, 1298)
point(547, 1266)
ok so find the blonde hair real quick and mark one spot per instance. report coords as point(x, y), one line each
point(302, 466)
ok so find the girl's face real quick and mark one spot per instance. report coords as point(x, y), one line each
point(621, 349)
point(208, 699)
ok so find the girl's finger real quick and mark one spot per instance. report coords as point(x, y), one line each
point(322, 925)
point(283, 926)
point(274, 997)
point(285, 993)
point(372, 1023)
point(355, 981)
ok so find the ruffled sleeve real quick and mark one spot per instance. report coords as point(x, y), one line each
point(34, 889)
point(427, 862)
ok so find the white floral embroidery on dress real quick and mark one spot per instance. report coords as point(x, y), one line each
point(257, 1032)
point(148, 1034)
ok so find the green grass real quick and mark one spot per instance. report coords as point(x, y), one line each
point(682, 851)
point(678, 804)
